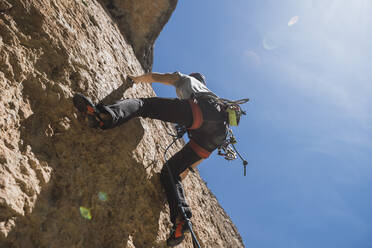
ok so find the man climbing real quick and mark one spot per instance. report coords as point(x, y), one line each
point(196, 108)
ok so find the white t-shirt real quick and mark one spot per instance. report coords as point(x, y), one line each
point(188, 85)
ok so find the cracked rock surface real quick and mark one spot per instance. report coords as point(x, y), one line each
point(52, 166)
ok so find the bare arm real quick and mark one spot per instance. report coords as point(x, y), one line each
point(186, 172)
point(151, 77)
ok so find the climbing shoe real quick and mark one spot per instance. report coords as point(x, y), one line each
point(86, 106)
point(177, 234)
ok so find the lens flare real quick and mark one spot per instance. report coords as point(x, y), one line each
point(268, 44)
point(293, 21)
point(102, 196)
point(85, 213)
point(252, 58)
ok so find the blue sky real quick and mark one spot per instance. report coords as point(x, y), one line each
point(307, 133)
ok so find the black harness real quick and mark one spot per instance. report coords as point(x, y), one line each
point(215, 132)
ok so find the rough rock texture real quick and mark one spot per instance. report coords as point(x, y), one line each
point(51, 164)
point(141, 23)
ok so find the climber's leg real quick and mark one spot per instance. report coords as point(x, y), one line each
point(180, 162)
point(166, 109)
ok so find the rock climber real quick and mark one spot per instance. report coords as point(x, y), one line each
point(197, 108)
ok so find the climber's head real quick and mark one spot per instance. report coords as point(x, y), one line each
point(199, 77)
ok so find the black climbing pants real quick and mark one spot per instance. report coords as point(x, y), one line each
point(208, 124)
point(166, 109)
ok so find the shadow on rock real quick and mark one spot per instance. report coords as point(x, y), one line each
point(97, 195)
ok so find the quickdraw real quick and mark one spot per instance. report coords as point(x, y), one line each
point(229, 152)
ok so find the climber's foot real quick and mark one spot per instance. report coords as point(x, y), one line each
point(177, 234)
point(86, 106)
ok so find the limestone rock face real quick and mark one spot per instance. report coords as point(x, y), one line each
point(63, 184)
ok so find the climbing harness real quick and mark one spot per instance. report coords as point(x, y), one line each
point(227, 149)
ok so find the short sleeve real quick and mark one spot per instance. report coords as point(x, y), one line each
point(181, 79)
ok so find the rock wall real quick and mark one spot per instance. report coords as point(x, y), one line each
point(53, 168)
point(141, 23)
